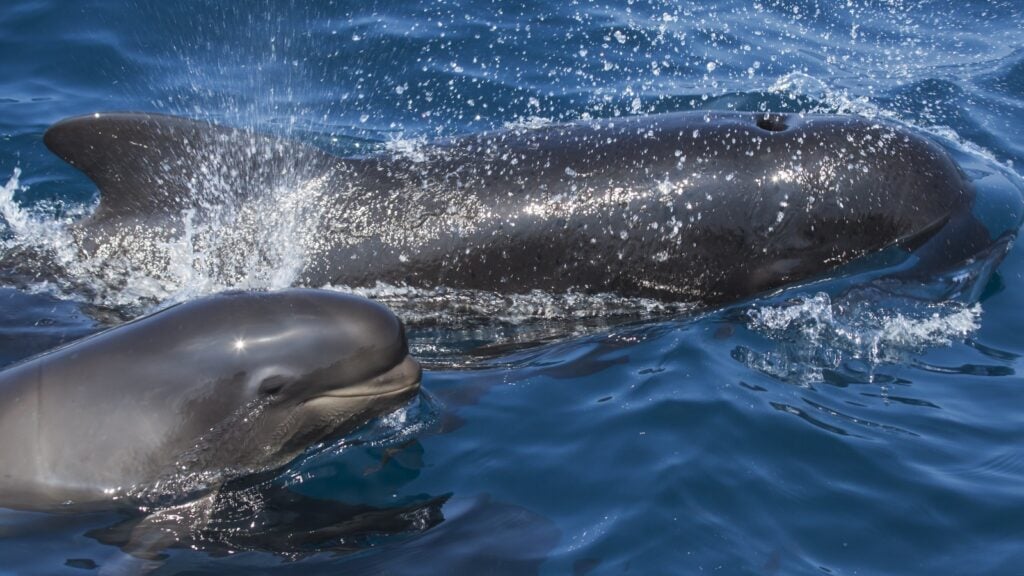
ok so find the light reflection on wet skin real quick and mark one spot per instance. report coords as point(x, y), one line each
point(655, 194)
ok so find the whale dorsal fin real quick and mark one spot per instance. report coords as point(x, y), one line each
point(146, 164)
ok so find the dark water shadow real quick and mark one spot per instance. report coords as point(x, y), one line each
point(275, 521)
point(293, 534)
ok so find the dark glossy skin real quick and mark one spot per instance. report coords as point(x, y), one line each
point(695, 207)
point(175, 403)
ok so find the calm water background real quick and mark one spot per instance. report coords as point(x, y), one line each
point(797, 434)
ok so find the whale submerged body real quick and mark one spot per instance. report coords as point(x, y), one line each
point(694, 207)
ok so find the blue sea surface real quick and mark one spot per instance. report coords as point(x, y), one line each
point(826, 429)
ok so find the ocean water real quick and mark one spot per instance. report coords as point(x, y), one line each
point(830, 428)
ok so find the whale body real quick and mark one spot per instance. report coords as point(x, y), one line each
point(172, 405)
point(696, 207)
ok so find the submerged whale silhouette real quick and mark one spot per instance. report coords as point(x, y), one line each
point(691, 207)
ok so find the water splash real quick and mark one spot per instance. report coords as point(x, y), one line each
point(260, 243)
point(413, 149)
point(528, 123)
point(817, 338)
point(462, 306)
point(16, 218)
point(39, 225)
point(826, 98)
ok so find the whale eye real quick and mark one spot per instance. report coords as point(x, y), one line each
point(772, 122)
point(273, 385)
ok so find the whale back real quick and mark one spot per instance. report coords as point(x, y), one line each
point(695, 207)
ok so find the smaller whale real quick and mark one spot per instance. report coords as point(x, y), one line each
point(168, 407)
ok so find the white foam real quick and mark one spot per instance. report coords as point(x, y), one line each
point(41, 230)
point(26, 226)
point(817, 317)
point(261, 243)
point(412, 149)
point(528, 123)
point(814, 333)
point(13, 214)
point(459, 305)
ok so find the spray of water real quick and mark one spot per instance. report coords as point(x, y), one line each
point(817, 338)
point(259, 243)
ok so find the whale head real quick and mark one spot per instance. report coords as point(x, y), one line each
point(262, 376)
point(178, 402)
point(334, 358)
point(313, 364)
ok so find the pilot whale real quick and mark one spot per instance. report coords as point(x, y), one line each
point(169, 406)
point(697, 207)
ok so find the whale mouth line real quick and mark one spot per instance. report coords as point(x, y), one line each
point(402, 378)
point(391, 392)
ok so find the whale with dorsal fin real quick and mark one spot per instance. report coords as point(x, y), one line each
point(696, 207)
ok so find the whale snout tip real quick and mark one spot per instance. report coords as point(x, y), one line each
point(403, 378)
point(401, 381)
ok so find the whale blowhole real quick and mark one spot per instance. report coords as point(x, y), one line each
point(772, 123)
